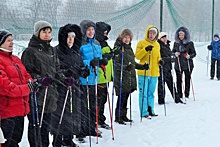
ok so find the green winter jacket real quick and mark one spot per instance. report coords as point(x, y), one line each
point(109, 68)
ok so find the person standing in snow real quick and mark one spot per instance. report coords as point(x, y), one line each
point(91, 53)
point(71, 64)
point(42, 62)
point(215, 57)
point(185, 52)
point(148, 51)
point(14, 92)
point(168, 58)
point(129, 82)
point(106, 72)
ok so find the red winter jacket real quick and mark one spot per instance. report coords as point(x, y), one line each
point(14, 91)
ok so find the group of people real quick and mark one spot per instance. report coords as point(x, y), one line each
point(63, 90)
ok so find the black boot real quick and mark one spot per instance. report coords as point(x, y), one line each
point(119, 119)
point(124, 116)
point(150, 111)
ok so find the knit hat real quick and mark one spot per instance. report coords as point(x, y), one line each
point(126, 32)
point(153, 29)
point(3, 35)
point(38, 26)
point(162, 34)
point(216, 35)
point(181, 32)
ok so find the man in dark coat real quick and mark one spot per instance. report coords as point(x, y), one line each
point(185, 52)
point(41, 61)
point(166, 55)
point(71, 64)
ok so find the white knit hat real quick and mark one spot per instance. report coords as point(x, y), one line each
point(153, 29)
point(162, 34)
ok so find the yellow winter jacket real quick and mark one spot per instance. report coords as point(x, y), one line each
point(142, 55)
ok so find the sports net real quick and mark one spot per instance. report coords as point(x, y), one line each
point(19, 16)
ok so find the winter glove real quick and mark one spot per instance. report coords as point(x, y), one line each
point(172, 58)
point(129, 67)
point(116, 51)
point(149, 48)
point(46, 81)
point(187, 56)
point(161, 62)
point(32, 85)
point(84, 72)
point(103, 61)
point(108, 56)
point(177, 54)
point(69, 81)
point(146, 66)
point(94, 62)
point(209, 47)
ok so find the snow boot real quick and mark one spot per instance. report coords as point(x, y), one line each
point(124, 116)
point(119, 119)
point(150, 112)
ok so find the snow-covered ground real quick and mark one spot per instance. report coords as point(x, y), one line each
point(196, 124)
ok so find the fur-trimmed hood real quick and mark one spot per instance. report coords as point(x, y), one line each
point(186, 38)
point(85, 24)
point(63, 34)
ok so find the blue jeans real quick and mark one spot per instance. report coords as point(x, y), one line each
point(146, 93)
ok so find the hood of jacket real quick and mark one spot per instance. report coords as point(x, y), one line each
point(147, 32)
point(186, 38)
point(101, 27)
point(63, 34)
point(84, 25)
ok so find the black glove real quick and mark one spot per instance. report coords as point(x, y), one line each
point(32, 85)
point(161, 62)
point(69, 81)
point(172, 58)
point(46, 81)
point(103, 61)
point(108, 55)
point(69, 72)
point(149, 48)
point(84, 72)
point(94, 62)
point(145, 66)
point(209, 47)
point(116, 51)
point(129, 67)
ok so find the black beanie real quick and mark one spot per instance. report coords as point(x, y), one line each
point(3, 35)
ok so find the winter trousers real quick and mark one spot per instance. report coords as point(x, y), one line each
point(33, 135)
point(85, 117)
point(122, 106)
point(13, 130)
point(102, 99)
point(213, 61)
point(168, 79)
point(187, 82)
point(146, 94)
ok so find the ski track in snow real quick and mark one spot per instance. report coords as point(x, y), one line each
point(195, 124)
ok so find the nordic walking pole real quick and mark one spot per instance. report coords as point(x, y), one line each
point(88, 106)
point(113, 85)
point(61, 116)
point(42, 115)
point(130, 98)
point(178, 59)
point(121, 74)
point(163, 87)
point(96, 103)
point(142, 105)
point(109, 105)
point(191, 80)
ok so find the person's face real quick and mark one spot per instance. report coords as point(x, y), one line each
point(90, 32)
point(45, 34)
point(70, 40)
point(106, 33)
point(164, 39)
point(152, 35)
point(181, 36)
point(8, 44)
point(126, 39)
point(216, 38)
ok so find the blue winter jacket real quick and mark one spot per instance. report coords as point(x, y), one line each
point(89, 51)
point(215, 49)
